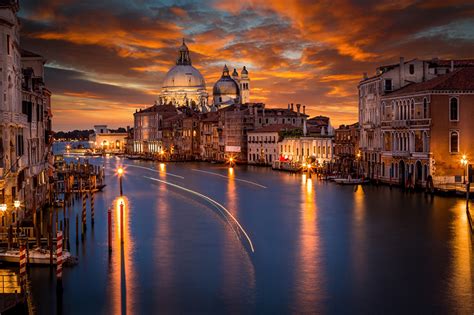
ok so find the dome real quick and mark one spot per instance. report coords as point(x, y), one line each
point(184, 76)
point(226, 85)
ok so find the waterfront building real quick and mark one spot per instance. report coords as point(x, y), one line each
point(346, 147)
point(426, 130)
point(25, 126)
point(211, 137)
point(106, 141)
point(390, 78)
point(263, 143)
point(147, 128)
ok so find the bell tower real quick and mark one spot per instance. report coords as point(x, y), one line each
point(244, 86)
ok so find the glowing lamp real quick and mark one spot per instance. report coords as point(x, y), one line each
point(16, 204)
point(3, 207)
point(120, 171)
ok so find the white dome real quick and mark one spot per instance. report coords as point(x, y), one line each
point(184, 76)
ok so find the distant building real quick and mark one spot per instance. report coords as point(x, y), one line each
point(108, 142)
point(263, 143)
point(346, 147)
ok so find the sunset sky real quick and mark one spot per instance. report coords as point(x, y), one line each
point(107, 58)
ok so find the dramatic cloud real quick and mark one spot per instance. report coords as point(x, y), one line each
point(111, 56)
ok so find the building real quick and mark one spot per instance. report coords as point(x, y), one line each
point(426, 130)
point(25, 124)
point(263, 143)
point(387, 79)
point(346, 147)
point(184, 85)
point(210, 141)
point(317, 149)
point(104, 140)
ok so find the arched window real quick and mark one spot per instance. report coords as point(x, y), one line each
point(453, 109)
point(454, 142)
point(412, 109)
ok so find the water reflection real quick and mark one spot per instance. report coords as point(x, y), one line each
point(308, 278)
point(460, 288)
point(358, 239)
point(121, 265)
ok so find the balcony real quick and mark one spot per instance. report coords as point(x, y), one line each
point(13, 118)
point(399, 124)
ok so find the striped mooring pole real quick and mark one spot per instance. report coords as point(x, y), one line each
point(92, 208)
point(84, 213)
point(59, 255)
point(22, 263)
point(109, 226)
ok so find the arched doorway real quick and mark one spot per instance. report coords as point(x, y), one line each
point(418, 173)
point(401, 176)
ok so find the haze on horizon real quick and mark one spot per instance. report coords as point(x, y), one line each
point(108, 58)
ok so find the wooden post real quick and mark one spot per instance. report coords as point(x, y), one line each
point(84, 214)
point(59, 256)
point(109, 224)
point(92, 208)
point(121, 222)
point(77, 229)
point(22, 264)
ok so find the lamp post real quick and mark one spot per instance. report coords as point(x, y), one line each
point(358, 163)
point(120, 174)
point(464, 163)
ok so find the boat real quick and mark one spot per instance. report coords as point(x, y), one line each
point(132, 157)
point(37, 256)
point(351, 181)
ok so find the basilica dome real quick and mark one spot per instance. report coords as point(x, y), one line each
point(184, 85)
point(225, 89)
point(184, 76)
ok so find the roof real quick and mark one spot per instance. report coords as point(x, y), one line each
point(274, 128)
point(28, 54)
point(459, 80)
point(159, 108)
point(211, 117)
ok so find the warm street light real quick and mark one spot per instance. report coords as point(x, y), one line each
point(17, 204)
point(120, 172)
point(3, 207)
point(464, 163)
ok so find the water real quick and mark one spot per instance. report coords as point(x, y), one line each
point(319, 247)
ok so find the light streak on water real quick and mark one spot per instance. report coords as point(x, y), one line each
point(212, 201)
point(234, 178)
point(154, 170)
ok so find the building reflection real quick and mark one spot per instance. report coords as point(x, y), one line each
point(461, 284)
point(121, 264)
point(308, 285)
point(358, 239)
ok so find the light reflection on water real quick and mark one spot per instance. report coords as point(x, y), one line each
point(319, 248)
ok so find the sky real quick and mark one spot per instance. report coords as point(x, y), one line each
point(107, 58)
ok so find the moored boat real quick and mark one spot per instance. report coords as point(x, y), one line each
point(36, 256)
point(351, 181)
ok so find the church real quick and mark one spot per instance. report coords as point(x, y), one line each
point(184, 85)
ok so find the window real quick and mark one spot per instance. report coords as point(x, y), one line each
point(425, 108)
point(388, 85)
point(20, 149)
point(412, 69)
point(453, 109)
point(454, 142)
point(8, 44)
point(412, 109)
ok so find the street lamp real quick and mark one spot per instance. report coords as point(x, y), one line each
point(120, 174)
point(464, 163)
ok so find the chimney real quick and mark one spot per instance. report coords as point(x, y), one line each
point(288, 106)
point(298, 106)
point(452, 65)
point(402, 72)
point(292, 106)
point(365, 76)
point(304, 109)
point(305, 128)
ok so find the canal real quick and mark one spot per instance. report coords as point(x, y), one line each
point(318, 247)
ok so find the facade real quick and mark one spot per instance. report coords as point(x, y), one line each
point(263, 143)
point(108, 142)
point(388, 79)
point(319, 149)
point(426, 130)
point(25, 123)
point(346, 147)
